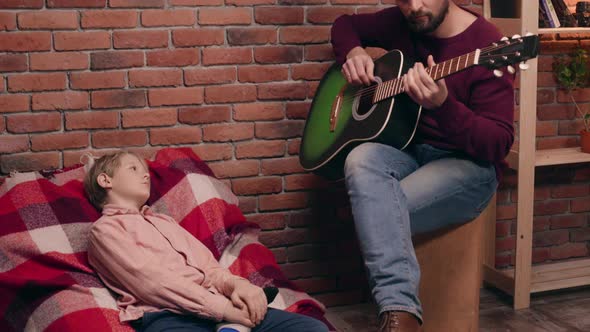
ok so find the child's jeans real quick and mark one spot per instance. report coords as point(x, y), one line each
point(275, 320)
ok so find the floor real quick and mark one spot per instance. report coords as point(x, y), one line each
point(559, 311)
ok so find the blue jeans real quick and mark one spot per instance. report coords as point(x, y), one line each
point(395, 194)
point(275, 320)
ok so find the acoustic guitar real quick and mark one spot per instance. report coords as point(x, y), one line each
point(343, 115)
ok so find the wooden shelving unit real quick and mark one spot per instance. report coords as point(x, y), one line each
point(525, 279)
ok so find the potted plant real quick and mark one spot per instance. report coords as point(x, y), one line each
point(572, 72)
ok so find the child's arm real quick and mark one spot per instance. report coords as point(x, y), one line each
point(116, 256)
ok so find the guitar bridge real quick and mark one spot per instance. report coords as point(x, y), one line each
point(336, 109)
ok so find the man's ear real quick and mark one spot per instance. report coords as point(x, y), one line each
point(104, 181)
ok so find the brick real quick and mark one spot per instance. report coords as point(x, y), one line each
point(556, 142)
point(309, 71)
point(228, 132)
point(279, 129)
point(225, 16)
point(198, 37)
point(503, 229)
point(115, 19)
point(258, 111)
point(556, 112)
point(281, 166)
point(87, 40)
point(293, 146)
point(59, 141)
point(223, 55)
point(268, 221)
point(326, 15)
point(204, 114)
point(580, 235)
point(260, 149)
point(298, 110)
point(98, 80)
point(76, 3)
point(287, 91)
point(304, 35)
point(149, 78)
point(14, 143)
point(59, 61)
point(557, 47)
point(568, 221)
point(68, 100)
point(230, 93)
point(257, 185)
point(14, 103)
point(575, 190)
point(249, 2)
point(7, 21)
point(118, 98)
point(247, 204)
point(304, 182)
point(540, 255)
point(36, 82)
point(301, 2)
point(541, 223)
point(28, 123)
point(161, 18)
point(173, 58)
point(354, 2)
point(550, 238)
point(29, 161)
point(546, 79)
point(258, 74)
point(316, 285)
point(59, 20)
point(14, 4)
point(25, 41)
point(275, 15)
point(13, 62)
point(569, 250)
point(235, 168)
point(116, 59)
point(580, 205)
point(278, 54)
point(320, 52)
point(153, 117)
point(580, 95)
point(546, 128)
point(92, 120)
point(137, 3)
point(550, 207)
point(286, 201)
point(505, 244)
point(140, 39)
point(312, 87)
point(119, 138)
point(214, 75)
point(175, 96)
point(178, 135)
point(249, 36)
point(211, 152)
point(196, 2)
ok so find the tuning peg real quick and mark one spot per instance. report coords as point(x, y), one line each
point(504, 38)
point(498, 73)
point(516, 36)
point(523, 66)
point(511, 69)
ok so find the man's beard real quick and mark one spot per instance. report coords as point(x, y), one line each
point(431, 24)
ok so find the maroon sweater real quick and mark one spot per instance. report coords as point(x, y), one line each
point(477, 116)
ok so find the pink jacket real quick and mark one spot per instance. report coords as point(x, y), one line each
point(153, 264)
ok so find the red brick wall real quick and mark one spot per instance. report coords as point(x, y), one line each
point(233, 79)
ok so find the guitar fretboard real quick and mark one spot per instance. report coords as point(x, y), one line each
point(440, 70)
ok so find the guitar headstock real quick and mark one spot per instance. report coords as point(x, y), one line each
point(507, 52)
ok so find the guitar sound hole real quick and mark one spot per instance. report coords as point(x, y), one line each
point(363, 104)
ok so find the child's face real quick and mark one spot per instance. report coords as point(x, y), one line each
point(130, 183)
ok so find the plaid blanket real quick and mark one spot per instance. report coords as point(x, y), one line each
point(46, 282)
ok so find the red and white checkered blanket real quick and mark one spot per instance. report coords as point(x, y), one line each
point(46, 283)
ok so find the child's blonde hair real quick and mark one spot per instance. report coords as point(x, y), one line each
point(106, 164)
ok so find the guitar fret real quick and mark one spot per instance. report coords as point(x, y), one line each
point(458, 62)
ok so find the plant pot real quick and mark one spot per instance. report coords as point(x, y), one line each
point(585, 141)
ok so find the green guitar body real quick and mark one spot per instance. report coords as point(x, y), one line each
point(392, 121)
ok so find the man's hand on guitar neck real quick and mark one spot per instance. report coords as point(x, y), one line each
point(358, 68)
point(422, 88)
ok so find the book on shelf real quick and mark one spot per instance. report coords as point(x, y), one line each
point(566, 19)
point(544, 21)
point(551, 13)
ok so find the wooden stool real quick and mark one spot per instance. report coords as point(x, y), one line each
point(451, 273)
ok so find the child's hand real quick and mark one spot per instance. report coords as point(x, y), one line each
point(250, 297)
point(235, 315)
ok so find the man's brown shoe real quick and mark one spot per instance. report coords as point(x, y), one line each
point(398, 321)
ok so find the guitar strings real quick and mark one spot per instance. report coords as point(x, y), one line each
point(369, 90)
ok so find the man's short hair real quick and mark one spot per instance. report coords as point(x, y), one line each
point(107, 164)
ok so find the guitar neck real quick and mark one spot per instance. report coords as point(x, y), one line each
point(394, 87)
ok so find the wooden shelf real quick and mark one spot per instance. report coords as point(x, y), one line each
point(544, 277)
point(552, 157)
point(564, 30)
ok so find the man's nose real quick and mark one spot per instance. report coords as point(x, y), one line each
point(415, 5)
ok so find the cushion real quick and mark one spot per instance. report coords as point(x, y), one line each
point(45, 279)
